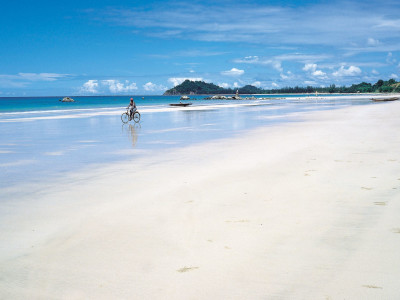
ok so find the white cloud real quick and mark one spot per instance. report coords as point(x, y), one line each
point(310, 67)
point(115, 86)
point(236, 85)
point(256, 84)
point(375, 72)
point(90, 87)
point(275, 63)
point(107, 86)
point(302, 58)
point(149, 86)
point(298, 57)
point(21, 80)
point(373, 42)
point(152, 87)
point(224, 85)
point(288, 75)
point(350, 71)
point(266, 23)
point(390, 24)
point(233, 72)
point(275, 85)
point(252, 58)
point(249, 60)
point(41, 76)
point(318, 73)
point(394, 76)
point(178, 80)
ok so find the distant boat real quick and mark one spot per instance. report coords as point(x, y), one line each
point(67, 99)
point(180, 104)
point(385, 99)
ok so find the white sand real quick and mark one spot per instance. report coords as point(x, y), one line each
point(305, 210)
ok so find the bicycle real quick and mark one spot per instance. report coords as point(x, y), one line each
point(126, 117)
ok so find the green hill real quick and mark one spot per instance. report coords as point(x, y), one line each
point(202, 88)
point(195, 87)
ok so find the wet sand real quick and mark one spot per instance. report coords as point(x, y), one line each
point(305, 210)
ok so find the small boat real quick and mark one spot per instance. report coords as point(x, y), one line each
point(385, 99)
point(67, 99)
point(180, 104)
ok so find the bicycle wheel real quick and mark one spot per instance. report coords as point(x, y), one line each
point(136, 117)
point(125, 118)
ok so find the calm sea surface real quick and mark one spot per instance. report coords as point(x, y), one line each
point(42, 137)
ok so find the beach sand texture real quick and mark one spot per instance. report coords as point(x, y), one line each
point(305, 210)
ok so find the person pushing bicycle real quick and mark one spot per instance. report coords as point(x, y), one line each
point(132, 108)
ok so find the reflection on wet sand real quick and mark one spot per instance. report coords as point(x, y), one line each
point(132, 131)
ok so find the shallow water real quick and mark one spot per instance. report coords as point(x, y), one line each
point(36, 144)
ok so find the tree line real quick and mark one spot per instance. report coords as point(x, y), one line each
point(202, 88)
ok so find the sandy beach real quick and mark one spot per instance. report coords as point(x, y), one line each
point(301, 210)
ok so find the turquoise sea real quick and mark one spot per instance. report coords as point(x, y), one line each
point(42, 138)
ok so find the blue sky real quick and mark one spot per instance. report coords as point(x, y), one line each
point(145, 47)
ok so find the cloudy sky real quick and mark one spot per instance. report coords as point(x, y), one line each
point(145, 47)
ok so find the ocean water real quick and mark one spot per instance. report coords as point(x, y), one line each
point(43, 138)
point(22, 104)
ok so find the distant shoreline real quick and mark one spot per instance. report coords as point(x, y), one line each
point(160, 95)
point(189, 87)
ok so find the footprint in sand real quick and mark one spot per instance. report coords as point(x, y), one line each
point(186, 269)
point(237, 221)
point(370, 286)
point(308, 171)
point(366, 188)
point(396, 230)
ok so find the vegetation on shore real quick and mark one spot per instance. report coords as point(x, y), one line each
point(202, 88)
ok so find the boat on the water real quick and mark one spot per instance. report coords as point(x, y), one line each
point(180, 104)
point(385, 99)
point(67, 99)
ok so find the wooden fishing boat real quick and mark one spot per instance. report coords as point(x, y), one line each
point(180, 104)
point(385, 99)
